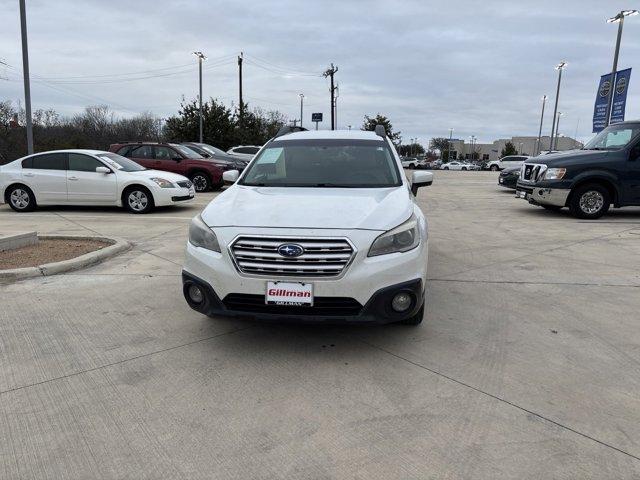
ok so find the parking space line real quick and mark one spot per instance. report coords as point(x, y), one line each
point(119, 362)
point(503, 400)
point(522, 282)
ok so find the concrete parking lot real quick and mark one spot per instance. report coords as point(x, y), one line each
point(527, 364)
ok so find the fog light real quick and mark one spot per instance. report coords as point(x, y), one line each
point(401, 302)
point(195, 294)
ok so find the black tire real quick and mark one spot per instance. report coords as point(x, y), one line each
point(411, 165)
point(446, 168)
point(494, 168)
point(137, 199)
point(201, 181)
point(464, 169)
point(416, 319)
point(552, 208)
point(589, 201)
point(21, 199)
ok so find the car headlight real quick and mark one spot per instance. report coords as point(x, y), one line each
point(400, 239)
point(162, 183)
point(200, 235)
point(554, 173)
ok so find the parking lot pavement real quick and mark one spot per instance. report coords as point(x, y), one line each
point(527, 364)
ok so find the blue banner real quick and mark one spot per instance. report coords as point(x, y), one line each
point(620, 96)
point(619, 99)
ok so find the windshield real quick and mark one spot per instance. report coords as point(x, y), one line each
point(212, 150)
point(614, 137)
point(187, 152)
point(120, 163)
point(324, 163)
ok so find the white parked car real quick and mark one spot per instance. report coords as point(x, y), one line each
point(457, 165)
point(89, 177)
point(409, 162)
point(321, 227)
point(246, 152)
point(506, 162)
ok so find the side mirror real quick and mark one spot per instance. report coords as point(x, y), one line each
point(177, 159)
point(104, 170)
point(230, 176)
point(420, 179)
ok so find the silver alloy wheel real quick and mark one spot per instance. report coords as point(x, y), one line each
point(19, 199)
point(200, 183)
point(591, 202)
point(138, 200)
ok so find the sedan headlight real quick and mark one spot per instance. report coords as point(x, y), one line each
point(200, 235)
point(554, 173)
point(162, 183)
point(400, 239)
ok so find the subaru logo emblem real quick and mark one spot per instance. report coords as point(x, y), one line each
point(290, 250)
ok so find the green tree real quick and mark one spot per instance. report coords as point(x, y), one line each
point(441, 144)
point(369, 124)
point(412, 149)
point(509, 149)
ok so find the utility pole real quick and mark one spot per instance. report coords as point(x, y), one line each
point(25, 70)
point(557, 130)
point(301, 103)
point(538, 148)
point(201, 57)
point(330, 72)
point(240, 58)
point(619, 19)
point(558, 67)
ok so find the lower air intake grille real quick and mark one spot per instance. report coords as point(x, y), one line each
point(324, 306)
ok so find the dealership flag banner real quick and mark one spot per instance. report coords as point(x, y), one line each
point(618, 103)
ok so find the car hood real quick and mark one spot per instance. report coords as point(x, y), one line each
point(293, 207)
point(569, 158)
point(172, 177)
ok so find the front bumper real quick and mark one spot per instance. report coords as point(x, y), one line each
point(171, 196)
point(543, 195)
point(327, 310)
point(360, 281)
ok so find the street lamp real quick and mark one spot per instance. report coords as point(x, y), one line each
point(619, 19)
point(301, 102)
point(538, 147)
point(560, 67)
point(201, 57)
point(449, 144)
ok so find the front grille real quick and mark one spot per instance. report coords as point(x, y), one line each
point(184, 183)
point(324, 306)
point(322, 257)
point(531, 172)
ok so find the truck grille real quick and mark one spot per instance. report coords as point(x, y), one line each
point(321, 257)
point(531, 172)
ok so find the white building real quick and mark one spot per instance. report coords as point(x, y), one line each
point(523, 145)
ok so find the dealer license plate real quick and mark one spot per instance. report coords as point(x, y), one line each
point(289, 293)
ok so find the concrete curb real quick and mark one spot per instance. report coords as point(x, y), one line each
point(117, 246)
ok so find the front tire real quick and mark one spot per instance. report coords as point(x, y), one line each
point(446, 168)
point(464, 169)
point(138, 199)
point(201, 181)
point(21, 198)
point(589, 202)
point(494, 168)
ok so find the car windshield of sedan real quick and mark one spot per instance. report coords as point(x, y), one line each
point(614, 137)
point(120, 163)
point(324, 163)
point(187, 152)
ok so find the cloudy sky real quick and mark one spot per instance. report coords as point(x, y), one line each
point(479, 67)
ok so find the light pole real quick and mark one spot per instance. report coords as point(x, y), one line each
point(619, 19)
point(538, 146)
point(25, 70)
point(201, 57)
point(557, 130)
point(449, 144)
point(559, 67)
point(301, 102)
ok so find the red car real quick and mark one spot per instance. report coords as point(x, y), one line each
point(205, 173)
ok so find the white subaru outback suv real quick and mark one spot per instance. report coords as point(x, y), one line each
point(322, 226)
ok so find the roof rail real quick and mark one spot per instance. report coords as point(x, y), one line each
point(289, 129)
point(380, 131)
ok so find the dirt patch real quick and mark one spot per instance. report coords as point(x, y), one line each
point(48, 251)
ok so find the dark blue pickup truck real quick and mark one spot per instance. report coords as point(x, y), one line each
point(605, 172)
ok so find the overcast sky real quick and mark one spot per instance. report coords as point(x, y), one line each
point(479, 67)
